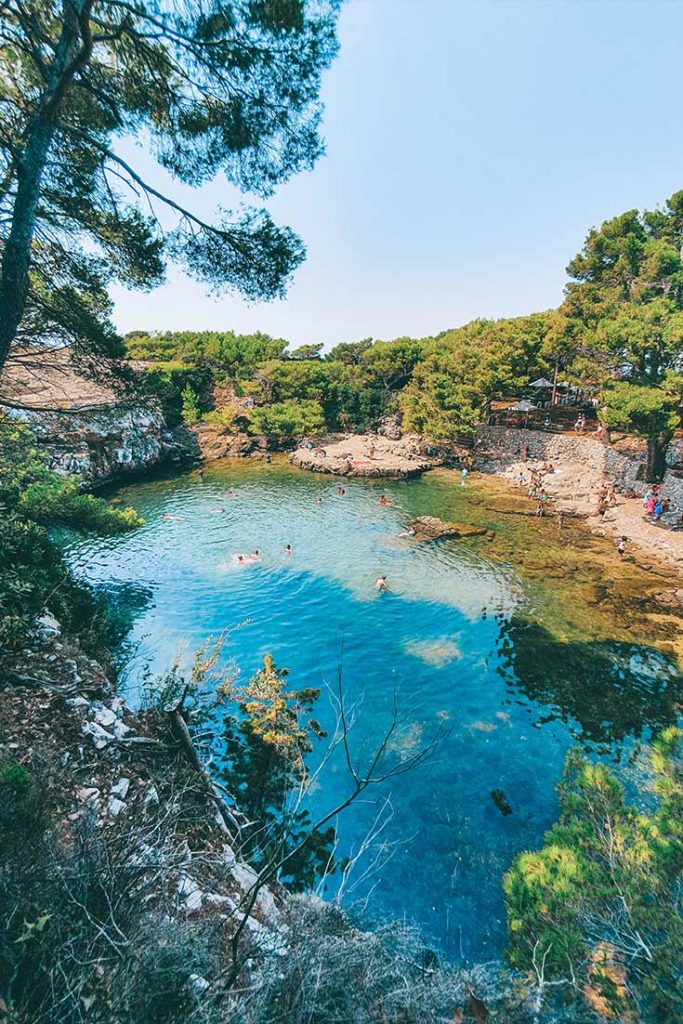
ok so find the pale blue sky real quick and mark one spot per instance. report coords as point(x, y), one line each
point(470, 145)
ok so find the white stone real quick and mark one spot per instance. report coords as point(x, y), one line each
point(105, 717)
point(151, 798)
point(120, 790)
point(48, 625)
point(88, 794)
point(190, 892)
point(115, 806)
point(100, 736)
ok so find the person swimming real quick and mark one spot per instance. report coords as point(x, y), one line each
point(341, 491)
point(288, 549)
point(255, 556)
point(381, 584)
point(383, 500)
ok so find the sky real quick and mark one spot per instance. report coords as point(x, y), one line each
point(470, 145)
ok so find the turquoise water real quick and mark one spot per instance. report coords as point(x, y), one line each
point(467, 640)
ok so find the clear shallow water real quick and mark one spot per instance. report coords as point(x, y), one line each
point(502, 641)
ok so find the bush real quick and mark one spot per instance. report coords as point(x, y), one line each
point(32, 569)
point(287, 419)
point(22, 814)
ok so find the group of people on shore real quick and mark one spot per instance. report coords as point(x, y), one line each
point(655, 505)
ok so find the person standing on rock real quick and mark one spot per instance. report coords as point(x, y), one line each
point(621, 547)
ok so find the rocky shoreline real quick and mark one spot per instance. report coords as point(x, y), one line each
point(368, 455)
point(126, 772)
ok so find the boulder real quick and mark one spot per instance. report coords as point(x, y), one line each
point(432, 528)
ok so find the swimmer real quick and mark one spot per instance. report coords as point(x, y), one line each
point(383, 500)
point(318, 501)
point(169, 518)
point(381, 584)
point(255, 556)
point(217, 511)
point(288, 549)
point(341, 491)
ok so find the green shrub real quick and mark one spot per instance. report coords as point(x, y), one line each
point(190, 412)
point(287, 419)
point(22, 812)
point(32, 570)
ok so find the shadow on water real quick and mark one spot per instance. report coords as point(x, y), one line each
point(604, 691)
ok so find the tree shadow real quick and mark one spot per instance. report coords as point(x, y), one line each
point(604, 691)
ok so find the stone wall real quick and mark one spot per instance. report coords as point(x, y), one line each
point(497, 447)
point(103, 443)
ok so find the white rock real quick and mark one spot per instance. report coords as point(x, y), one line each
point(115, 806)
point(189, 891)
point(78, 702)
point(89, 794)
point(105, 716)
point(151, 798)
point(198, 983)
point(120, 729)
point(120, 790)
point(216, 900)
point(48, 625)
point(100, 736)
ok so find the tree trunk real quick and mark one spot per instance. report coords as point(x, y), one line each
point(553, 399)
point(72, 52)
point(656, 458)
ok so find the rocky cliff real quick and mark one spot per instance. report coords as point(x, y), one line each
point(82, 425)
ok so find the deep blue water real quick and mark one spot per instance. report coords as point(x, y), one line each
point(457, 640)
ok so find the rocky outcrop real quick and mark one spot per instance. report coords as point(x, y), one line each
point(121, 770)
point(214, 442)
point(80, 420)
point(433, 528)
point(367, 455)
point(101, 444)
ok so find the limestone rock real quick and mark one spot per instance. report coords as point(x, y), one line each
point(432, 528)
point(120, 790)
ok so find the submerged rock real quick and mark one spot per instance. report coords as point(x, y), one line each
point(432, 528)
point(501, 802)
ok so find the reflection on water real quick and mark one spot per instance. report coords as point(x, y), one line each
point(501, 642)
point(605, 691)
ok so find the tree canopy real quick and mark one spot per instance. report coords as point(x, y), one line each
point(228, 87)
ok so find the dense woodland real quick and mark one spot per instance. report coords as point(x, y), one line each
point(618, 332)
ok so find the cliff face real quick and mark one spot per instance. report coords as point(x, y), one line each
point(100, 444)
point(83, 425)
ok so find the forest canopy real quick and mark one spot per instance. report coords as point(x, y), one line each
point(618, 332)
